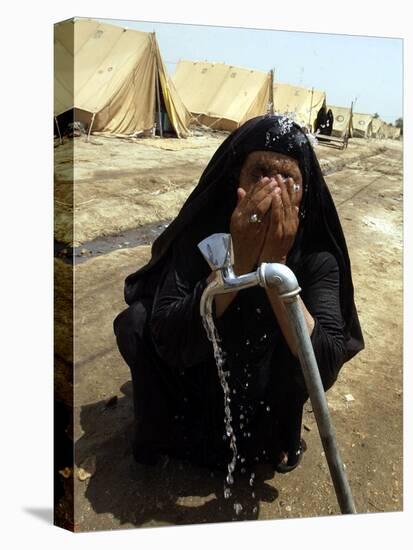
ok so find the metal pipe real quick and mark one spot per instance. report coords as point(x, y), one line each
point(319, 404)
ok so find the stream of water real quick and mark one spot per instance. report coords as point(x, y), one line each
point(223, 375)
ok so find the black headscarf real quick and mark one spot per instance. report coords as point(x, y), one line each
point(319, 228)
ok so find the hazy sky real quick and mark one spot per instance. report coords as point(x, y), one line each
point(365, 69)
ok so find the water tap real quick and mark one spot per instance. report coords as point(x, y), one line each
point(217, 251)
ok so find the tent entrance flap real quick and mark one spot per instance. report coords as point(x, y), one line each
point(163, 124)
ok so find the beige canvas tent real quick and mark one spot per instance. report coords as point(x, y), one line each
point(362, 125)
point(391, 132)
point(222, 96)
point(301, 104)
point(376, 125)
point(395, 132)
point(343, 121)
point(115, 78)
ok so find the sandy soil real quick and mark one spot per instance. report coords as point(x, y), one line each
point(130, 184)
point(122, 184)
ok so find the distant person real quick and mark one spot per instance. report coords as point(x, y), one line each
point(324, 121)
point(264, 186)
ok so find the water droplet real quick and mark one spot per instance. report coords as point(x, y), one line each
point(227, 492)
point(268, 408)
point(237, 508)
point(230, 479)
point(247, 342)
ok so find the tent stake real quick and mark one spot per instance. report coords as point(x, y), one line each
point(90, 127)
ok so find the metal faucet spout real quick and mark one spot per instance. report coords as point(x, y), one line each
point(226, 281)
point(216, 249)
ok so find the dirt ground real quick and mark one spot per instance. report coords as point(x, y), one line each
point(124, 185)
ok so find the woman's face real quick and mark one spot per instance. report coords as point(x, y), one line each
point(267, 164)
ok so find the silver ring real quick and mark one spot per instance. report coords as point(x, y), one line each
point(296, 187)
point(254, 218)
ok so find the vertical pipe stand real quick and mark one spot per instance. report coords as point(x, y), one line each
point(319, 403)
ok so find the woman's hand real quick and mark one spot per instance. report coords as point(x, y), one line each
point(247, 235)
point(283, 221)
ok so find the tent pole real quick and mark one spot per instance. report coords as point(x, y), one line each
point(58, 130)
point(158, 95)
point(350, 122)
point(311, 108)
point(158, 98)
point(90, 126)
point(272, 91)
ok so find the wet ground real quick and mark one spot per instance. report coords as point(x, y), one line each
point(365, 403)
point(129, 238)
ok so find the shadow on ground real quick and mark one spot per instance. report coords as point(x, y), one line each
point(173, 492)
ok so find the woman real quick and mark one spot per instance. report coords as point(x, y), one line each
point(264, 186)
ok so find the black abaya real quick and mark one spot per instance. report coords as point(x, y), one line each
point(177, 395)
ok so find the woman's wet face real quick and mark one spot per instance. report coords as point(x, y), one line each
point(267, 164)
